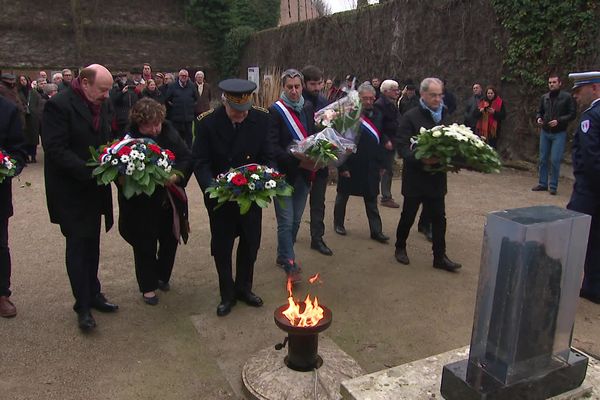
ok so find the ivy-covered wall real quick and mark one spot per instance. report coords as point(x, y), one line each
point(462, 41)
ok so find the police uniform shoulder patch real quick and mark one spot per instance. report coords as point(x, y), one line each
point(260, 109)
point(585, 126)
point(205, 113)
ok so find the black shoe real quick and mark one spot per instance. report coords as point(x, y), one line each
point(539, 188)
point(321, 247)
point(588, 296)
point(446, 263)
point(426, 230)
point(164, 286)
point(101, 304)
point(85, 321)
point(380, 237)
point(553, 192)
point(224, 307)
point(249, 298)
point(340, 230)
point(151, 301)
point(401, 256)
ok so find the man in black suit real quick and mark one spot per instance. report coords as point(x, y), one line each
point(418, 184)
point(11, 144)
point(74, 120)
point(231, 136)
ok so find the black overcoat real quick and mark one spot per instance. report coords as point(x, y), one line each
point(136, 214)
point(365, 164)
point(75, 200)
point(219, 147)
point(11, 141)
point(416, 181)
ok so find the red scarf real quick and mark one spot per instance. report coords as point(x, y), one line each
point(94, 108)
point(487, 125)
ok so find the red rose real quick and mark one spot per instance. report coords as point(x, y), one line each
point(252, 168)
point(154, 148)
point(170, 155)
point(124, 151)
point(239, 180)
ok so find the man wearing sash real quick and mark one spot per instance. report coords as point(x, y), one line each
point(229, 137)
point(360, 174)
point(291, 121)
point(418, 184)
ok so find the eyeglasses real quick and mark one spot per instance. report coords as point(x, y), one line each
point(292, 73)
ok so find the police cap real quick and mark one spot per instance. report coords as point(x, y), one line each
point(238, 93)
point(584, 78)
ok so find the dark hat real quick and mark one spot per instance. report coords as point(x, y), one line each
point(238, 93)
point(585, 78)
point(8, 76)
point(136, 70)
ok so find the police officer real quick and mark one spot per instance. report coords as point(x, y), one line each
point(231, 136)
point(586, 168)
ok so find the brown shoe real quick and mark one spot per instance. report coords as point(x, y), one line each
point(7, 308)
point(389, 203)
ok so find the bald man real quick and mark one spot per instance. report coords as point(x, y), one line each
point(75, 119)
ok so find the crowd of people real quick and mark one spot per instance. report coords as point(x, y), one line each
point(74, 113)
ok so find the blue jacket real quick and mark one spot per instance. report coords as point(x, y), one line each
point(586, 152)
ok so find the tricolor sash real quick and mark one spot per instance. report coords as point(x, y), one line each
point(291, 120)
point(369, 126)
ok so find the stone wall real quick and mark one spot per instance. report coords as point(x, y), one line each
point(401, 39)
point(74, 33)
point(296, 10)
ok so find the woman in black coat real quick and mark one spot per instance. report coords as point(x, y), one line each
point(152, 225)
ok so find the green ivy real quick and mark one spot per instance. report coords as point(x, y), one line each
point(235, 41)
point(547, 36)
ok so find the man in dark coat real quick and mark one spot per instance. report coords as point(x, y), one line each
point(75, 119)
point(586, 168)
point(360, 174)
point(472, 104)
point(11, 143)
point(123, 96)
point(313, 83)
point(180, 99)
point(418, 184)
point(386, 105)
point(231, 136)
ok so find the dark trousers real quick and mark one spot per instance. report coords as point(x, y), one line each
point(317, 206)
point(339, 212)
point(386, 178)
point(591, 206)
point(154, 259)
point(185, 131)
point(4, 259)
point(244, 268)
point(435, 208)
point(82, 257)
point(424, 220)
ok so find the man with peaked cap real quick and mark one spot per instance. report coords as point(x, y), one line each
point(233, 135)
point(586, 168)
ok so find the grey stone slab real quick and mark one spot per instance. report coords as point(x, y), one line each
point(265, 375)
point(421, 380)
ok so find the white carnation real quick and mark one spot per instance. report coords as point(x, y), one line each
point(134, 154)
point(124, 158)
point(436, 134)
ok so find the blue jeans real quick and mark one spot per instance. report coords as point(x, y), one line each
point(552, 146)
point(289, 215)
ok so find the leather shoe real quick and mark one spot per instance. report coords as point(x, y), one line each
point(7, 308)
point(446, 264)
point(164, 286)
point(250, 298)
point(389, 203)
point(321, 247)
point(539, 188)
point(151, 301)
point(85, 321)
point(224, 307)
point(553, 192)
point(426, 230)
point(401, 256)
point(380, 237)
point(101, 304)
point(340, 230)
point(589, 296)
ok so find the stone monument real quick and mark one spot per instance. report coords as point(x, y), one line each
point(531, 271)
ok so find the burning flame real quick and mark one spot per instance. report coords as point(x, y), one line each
point(311, 313)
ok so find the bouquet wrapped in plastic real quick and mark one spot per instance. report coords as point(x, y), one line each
point(138, 165)
point(324, 148)
point(342, 115)
point(456, 147)
point(247, 185)
point(8, 165)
